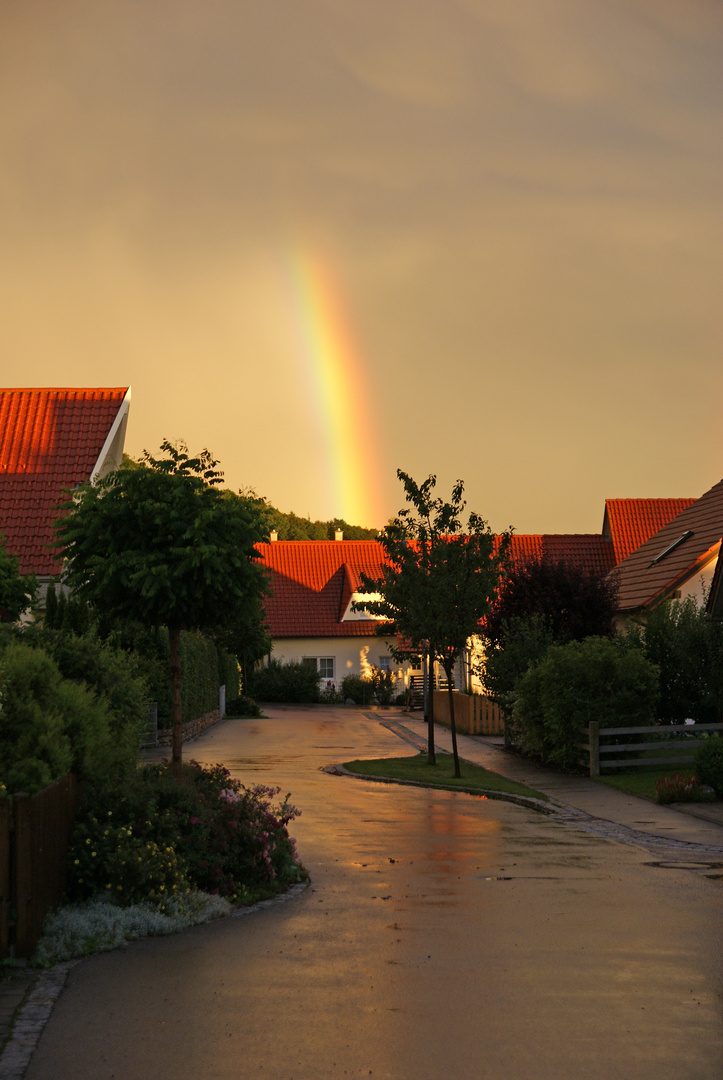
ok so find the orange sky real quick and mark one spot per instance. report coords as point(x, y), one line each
point(519, 202)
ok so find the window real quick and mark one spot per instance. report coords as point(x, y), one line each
point(323, 664)
point(326, 667)
point(385, 663)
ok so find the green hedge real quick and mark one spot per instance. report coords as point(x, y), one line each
point(204, 668)
point(603, 679)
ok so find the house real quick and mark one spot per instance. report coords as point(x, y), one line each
point(675, 562)
point(314, 584)
point(309, 612)
point(51, 440)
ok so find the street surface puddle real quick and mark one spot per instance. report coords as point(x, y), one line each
point(691, 865)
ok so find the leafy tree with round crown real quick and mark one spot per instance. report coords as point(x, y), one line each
point(161, 545)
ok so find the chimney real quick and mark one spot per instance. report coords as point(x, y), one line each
point(338, 534)
point(273, 536)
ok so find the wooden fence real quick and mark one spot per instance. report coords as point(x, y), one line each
point(683, 738)
point(34, 837)
point(474, 714)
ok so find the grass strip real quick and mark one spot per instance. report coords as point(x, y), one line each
point(641, 782)
point(474, 779)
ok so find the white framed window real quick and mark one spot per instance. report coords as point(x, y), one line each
point(385, 663)
point(325, 665)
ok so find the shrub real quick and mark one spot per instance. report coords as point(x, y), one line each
point(687, 647)
point(356, 689)
point(329, 695)
point(677, 788)
point(49, 725)
point(603, 679)
point(242, 706)
point(98, 925)
point(107, 858)
point(161, 834)
point(293, 682)
point(382, 686)
point(709, 764)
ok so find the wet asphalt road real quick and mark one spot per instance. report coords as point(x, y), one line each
point(442, 936)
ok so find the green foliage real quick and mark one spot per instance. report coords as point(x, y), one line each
point(162, 546)
point(709, 764)
point(107, 858)
point(355, 688)
point(292, 682)
point(18, 592)
point(49, 725)
point(687, 647)
point(292, 527)
point(677, 788)
point(66, 612)
point(161, 834)
point(523, 641)
point(115, 676)
point(603, 679)
point(438, 580)
point(573, 603)
point(540, 603)
point(382, 683)
point(242, 706)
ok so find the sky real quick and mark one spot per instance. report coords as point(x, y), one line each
point(330, 239)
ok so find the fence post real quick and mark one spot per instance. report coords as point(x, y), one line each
point(24, 828)
point(5, 822)
point(594, 737)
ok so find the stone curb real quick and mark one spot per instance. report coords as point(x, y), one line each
point(543, 807)
point(565, 815)
point(35, 1011)
point(31, 1019)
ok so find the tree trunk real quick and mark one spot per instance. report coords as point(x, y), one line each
point(449, 673)
point(432, 757)
point(174, 642)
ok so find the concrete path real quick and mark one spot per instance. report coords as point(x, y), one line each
point(442, 936)
point(684, 823)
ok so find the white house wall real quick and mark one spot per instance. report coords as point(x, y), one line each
point(352, 655)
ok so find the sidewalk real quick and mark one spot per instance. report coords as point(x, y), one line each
point(694, 823)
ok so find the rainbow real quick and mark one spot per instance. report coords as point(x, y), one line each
point(338, 391)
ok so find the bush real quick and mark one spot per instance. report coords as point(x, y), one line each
point(709, 764)
point(382, 686)
point(49, 725)
point(160, 835)
point(677, 788)
point(356, 689)
point(687, 647)
point(293, 682)
point(242, 706)
point(603, 679)
point(523, 641)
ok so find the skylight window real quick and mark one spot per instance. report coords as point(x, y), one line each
point(672, 547)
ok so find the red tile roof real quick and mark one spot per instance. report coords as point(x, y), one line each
point(674, 554)
point(50, 440)
point(583, 551)
point(312, 581)
point(630, 522)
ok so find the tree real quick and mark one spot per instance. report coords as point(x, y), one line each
point(163, 546)
point(541, 603)
point(17, 591)
point(438, 580)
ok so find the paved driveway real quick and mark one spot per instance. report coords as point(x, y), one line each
point(442, 936)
